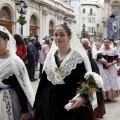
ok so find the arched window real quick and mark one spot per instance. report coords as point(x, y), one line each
point(33, 25)
point(5, 14)
point(5, 18)
point(51, 25)
point(83, 10)
point(116, 2)
point(33, 20)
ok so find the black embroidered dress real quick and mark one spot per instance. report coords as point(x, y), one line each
point(51, 98)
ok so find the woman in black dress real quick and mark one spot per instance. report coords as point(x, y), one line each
point(100, 110)
point(63, 70)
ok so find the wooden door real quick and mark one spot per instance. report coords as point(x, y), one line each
point(33, 30)
point(7, 24)
point(51, 31)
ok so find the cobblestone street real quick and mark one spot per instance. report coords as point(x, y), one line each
point(112, 108)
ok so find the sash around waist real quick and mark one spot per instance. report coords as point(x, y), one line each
point(5, 88)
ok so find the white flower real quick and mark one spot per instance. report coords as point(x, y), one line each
point(98, 52)
point(86, 76)
point(97, 78)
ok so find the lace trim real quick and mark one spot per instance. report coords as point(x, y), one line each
point(14, 65)
point(68, 64)
point(6, 77)
point(112, 52)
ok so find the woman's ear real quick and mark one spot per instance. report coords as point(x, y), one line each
point(6, 41)
point(70, 38)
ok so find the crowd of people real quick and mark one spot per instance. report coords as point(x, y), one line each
point(62, 61)
point(32, 53)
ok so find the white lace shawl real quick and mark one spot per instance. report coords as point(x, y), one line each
point(68, 64)
point(14, 65)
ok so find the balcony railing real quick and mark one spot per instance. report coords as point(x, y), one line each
point(92, 14)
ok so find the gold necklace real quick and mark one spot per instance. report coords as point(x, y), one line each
point(63, 56)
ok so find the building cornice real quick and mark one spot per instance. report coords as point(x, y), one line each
point(55, 8)
point(90, 5)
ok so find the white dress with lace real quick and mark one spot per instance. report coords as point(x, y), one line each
point(8, 67)
point(6, 112)
point(109, 75)
point(118, 76)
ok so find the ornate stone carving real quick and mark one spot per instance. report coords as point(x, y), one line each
point(61, 17)
point(44, 12)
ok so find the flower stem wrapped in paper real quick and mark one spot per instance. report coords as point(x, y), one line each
point(93, 83)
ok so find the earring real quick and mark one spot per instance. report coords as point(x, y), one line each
point(69, 43)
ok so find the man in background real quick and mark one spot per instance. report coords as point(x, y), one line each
point(38, 48)
point(31, 57)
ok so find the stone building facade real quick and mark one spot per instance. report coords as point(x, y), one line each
point(42, 16)
point(92, 14)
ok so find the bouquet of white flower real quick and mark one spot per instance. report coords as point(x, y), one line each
point(93, 83)
point(99, 55)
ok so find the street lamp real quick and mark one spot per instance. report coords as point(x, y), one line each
point(65, 20)
point(100, 36)
point(21, 7)
point(95, 36)
point(83, 31)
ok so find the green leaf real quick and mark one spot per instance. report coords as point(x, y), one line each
point(99, 56)
point(83, 90)
point(21, 21)
point(90, 95)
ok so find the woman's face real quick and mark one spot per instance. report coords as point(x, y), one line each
point(61, 37)
point(3, 43)
point(106, 43)
point(98, 46)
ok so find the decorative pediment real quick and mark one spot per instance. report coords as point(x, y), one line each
point(116, 3)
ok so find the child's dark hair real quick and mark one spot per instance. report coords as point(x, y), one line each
point(66, 28)
point(4, 35)
point(106, 39)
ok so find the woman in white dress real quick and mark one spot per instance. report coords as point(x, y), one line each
point(118, 72)
point(16, 93)
point(108, 70)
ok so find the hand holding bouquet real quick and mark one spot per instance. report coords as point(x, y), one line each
point(93, 83)
point(99, 55)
